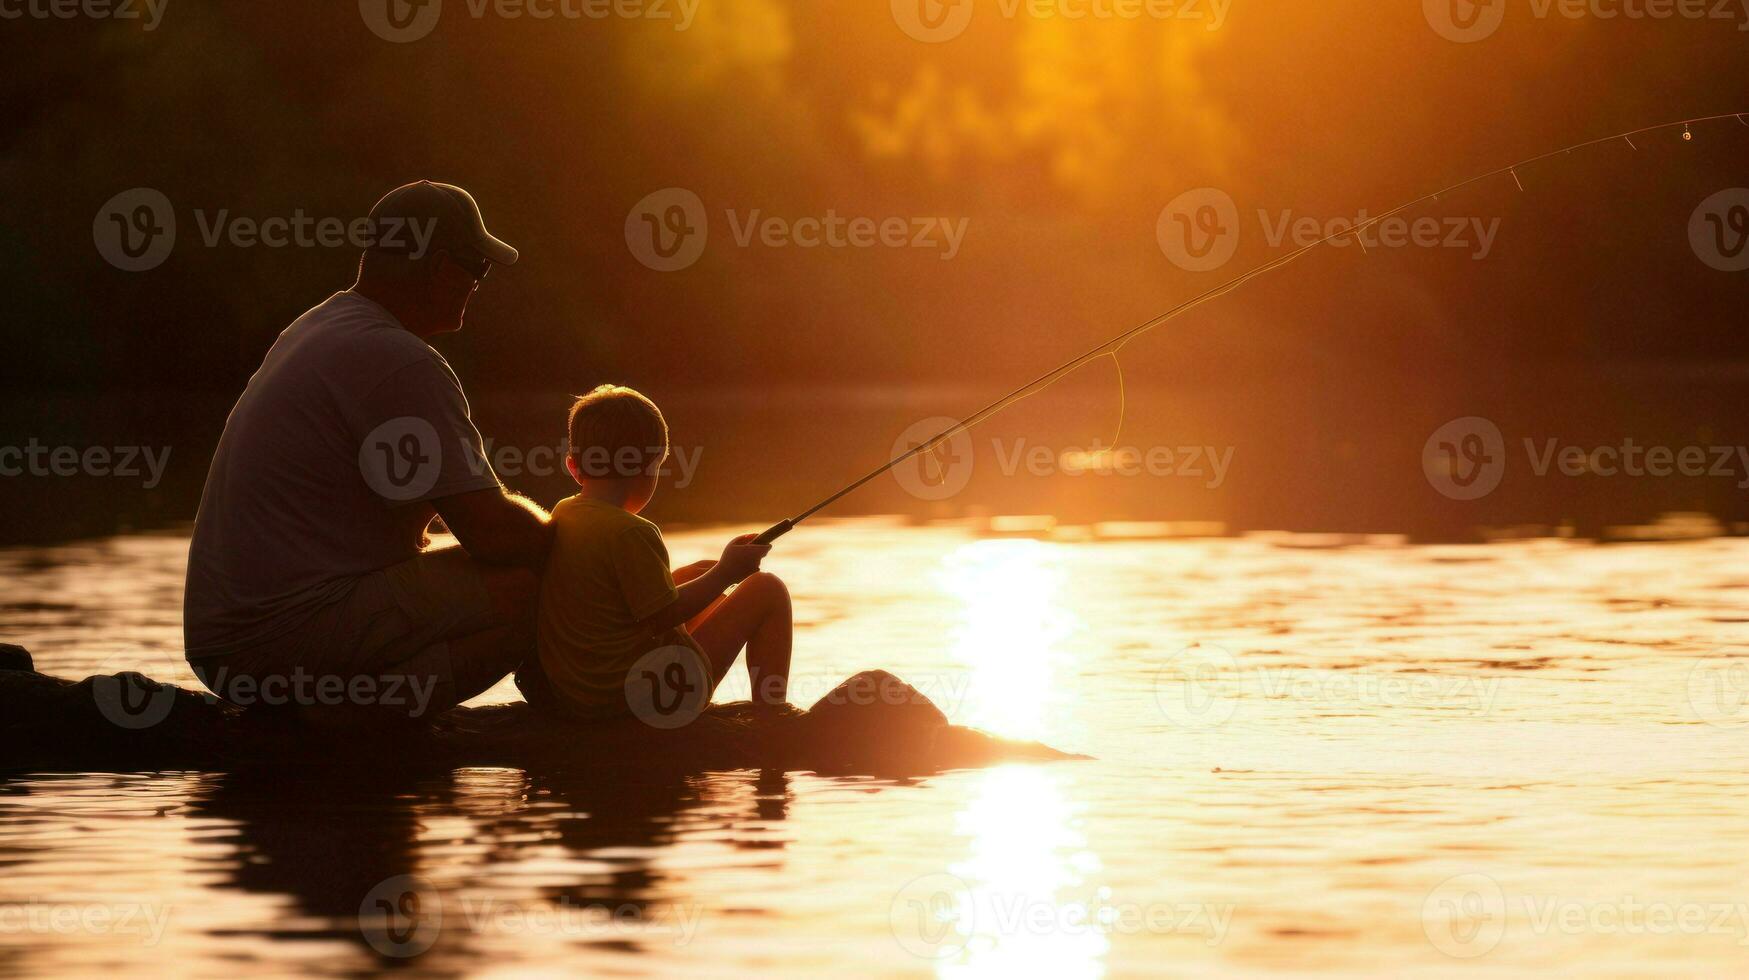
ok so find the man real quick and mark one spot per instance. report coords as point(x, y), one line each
point(307, 582)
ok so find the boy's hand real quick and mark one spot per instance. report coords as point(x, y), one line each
point(742, 557)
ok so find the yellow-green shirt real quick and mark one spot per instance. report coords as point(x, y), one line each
point(608, 570)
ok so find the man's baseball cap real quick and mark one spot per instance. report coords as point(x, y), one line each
point(451, 213)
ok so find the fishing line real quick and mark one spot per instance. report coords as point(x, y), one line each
point(1117, 343)
point(1123, 401)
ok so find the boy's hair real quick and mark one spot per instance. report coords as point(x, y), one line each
point(617, 432)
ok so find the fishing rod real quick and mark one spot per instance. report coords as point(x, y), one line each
point(1117, 343)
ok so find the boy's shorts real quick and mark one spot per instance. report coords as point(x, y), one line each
point(384, 643)
point(539, 692)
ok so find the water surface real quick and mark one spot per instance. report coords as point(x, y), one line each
point(1335, 755)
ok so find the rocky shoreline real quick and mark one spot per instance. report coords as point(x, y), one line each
point(872, 723)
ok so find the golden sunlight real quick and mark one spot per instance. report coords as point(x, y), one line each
point(1028, 910)
point(1081, 93)
point(1011, 621)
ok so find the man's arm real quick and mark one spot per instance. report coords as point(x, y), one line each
point(498, 527)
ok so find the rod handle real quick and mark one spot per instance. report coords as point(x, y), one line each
point(775, 531)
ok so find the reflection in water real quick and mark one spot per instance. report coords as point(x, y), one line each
point(1009, 624)
point(1031, 907)
point(490, 857)
point(1560, 718)
point(627, 825)
point(327, 841)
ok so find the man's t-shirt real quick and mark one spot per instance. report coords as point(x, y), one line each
point(325, 472)
point(607, 571)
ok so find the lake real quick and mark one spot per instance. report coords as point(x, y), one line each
point(1336, 754)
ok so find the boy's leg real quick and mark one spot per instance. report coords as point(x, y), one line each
point(756, 615)
point(695, 622)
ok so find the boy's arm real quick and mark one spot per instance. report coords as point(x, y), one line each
point(695, 596)
point(687, 573)
point(740, 559)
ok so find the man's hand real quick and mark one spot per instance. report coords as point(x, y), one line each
point(741, 558)
point(498, 527)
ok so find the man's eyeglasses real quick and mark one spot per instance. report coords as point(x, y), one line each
point(474, 265)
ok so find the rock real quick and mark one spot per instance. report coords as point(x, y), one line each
point(15, 658)
point(872, 723)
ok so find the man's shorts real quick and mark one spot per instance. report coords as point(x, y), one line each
point(384, 643)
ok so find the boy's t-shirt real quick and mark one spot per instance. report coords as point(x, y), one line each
point(608, 570)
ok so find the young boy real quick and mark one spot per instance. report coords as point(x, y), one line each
point(608, 597)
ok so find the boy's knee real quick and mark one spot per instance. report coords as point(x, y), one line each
point(767, 586)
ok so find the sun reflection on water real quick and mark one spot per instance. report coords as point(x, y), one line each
point(1010, 624)
point(1030, 909)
